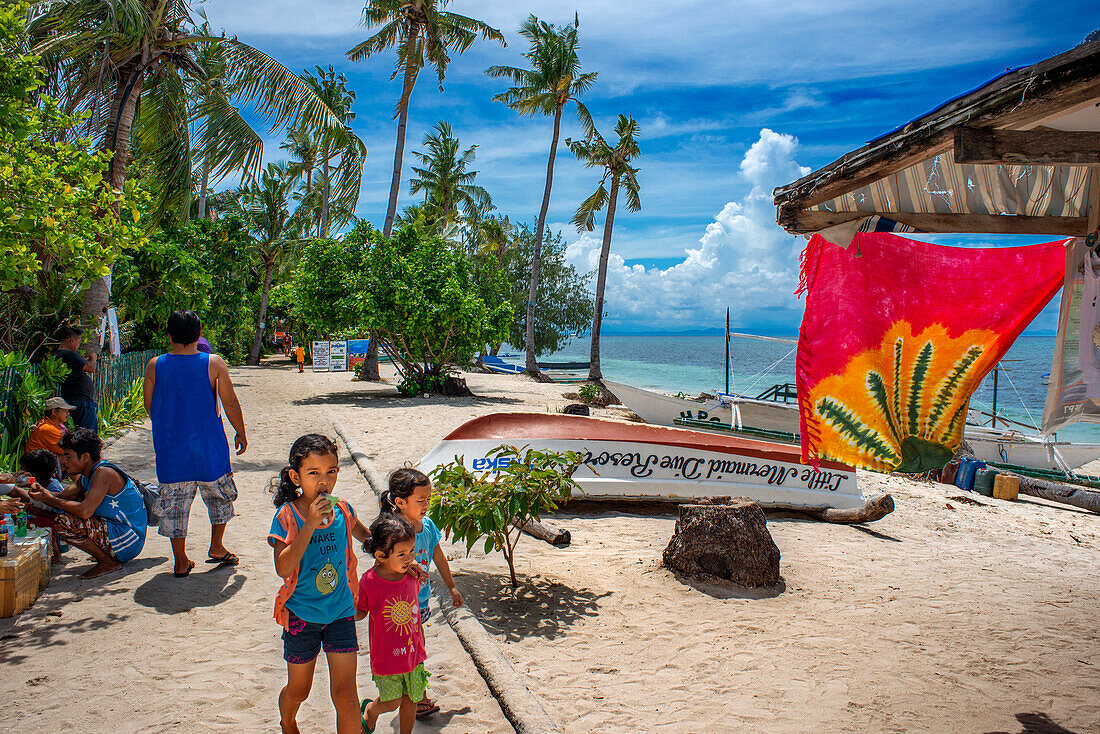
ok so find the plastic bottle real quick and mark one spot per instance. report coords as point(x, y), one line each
point(3, 541)
point(21, 524)
point(9, 527)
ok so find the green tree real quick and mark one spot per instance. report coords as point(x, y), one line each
point(265, 206)
point(615, 161)
point(445, 179)
point(553, 81)
point(495, 505)
point(423, 33)
point(106, 55)
point(564, 301)
point(53, 226)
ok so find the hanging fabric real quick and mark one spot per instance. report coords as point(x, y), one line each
point(897, 335)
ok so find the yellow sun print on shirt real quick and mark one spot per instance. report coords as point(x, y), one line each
point(400, 615)
point(326, 579)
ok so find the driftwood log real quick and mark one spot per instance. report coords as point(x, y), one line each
point(553, 536)
point(873, 509)
point(728, 541)
point(1065, 493)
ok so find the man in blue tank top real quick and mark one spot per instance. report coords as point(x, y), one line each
point(182, 389)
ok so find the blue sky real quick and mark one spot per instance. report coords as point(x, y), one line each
point(733, 99)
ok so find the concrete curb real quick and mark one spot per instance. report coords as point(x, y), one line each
point(520, 706)
point(363, 462)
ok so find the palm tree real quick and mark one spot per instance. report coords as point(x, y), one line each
point(265, 207)
point(423, 33)
point(493, 235)
point(340, 185)
point(553, 81)
point(445, 180)
point(615, 162)
point(103, 56)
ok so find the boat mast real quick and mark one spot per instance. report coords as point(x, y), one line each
point(727, 350)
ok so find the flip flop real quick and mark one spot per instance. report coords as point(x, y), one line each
point(362, 710)
point(430, 708)
point(185, 573)
point(229, 559)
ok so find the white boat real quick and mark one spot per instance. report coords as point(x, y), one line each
point(1003, 446)
point(998, 445)
point(634, 461)
point(661, 410)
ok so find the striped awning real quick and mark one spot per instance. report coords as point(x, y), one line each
point(938, 185)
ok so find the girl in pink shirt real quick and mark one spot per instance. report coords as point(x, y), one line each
point(388, 593)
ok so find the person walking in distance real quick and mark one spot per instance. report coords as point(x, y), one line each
point(77, 388)
point(181, 392)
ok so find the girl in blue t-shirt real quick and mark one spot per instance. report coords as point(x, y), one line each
point(409, 495)
point(312, 536)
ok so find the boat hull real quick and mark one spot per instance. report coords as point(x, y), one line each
point(990, 445)
point(633, 461)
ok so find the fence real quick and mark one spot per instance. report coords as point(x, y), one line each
point(112, 378)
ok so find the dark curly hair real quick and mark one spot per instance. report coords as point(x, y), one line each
point(402, 484)
point(387, 531)
point(311, 443)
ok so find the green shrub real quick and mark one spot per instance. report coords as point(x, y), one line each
point(590, 393)
point(494, 504)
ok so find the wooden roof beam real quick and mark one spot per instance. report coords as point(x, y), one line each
point(1039, 147)
point(808, 222)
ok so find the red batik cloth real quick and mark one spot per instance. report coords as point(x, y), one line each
point(898, 334)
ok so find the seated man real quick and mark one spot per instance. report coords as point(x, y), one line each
point(48, 431)
point(102, 513)
point(38, 466)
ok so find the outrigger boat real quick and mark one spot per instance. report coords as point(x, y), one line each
point(634, 461)
point(778, 421)
point(556, 371)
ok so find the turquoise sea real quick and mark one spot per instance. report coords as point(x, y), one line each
point(693, 364)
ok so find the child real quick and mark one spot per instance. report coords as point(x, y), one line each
point(409, 495)
point(300, 358)
point(312, 543)
point(41, 465)
point(389, 592)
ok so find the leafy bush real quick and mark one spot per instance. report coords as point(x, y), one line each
point(589, 393)
point(494, 504)
point(26, 404)
point(128, 409)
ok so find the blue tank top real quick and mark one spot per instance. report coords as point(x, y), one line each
point(188, 436)
point(125, 516)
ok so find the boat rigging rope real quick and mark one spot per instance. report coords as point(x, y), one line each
point(1052, 450)
point(764, 338)
point(767, 370)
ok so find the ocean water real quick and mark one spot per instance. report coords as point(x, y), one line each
point(693, 364)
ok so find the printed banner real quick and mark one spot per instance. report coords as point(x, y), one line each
point(1073, 395)
point(898, 334)
point(357, 352)
point(338, 356)
point(320, 356)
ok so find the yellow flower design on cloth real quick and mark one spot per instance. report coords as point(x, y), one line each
point(326, 579)
point(908, 411)
point(400, 615)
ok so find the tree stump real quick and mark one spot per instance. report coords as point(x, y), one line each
point(728, 541)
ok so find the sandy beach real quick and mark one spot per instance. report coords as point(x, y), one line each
point(945, 616)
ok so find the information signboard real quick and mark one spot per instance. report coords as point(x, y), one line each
point(338, 356)
point(320, 356)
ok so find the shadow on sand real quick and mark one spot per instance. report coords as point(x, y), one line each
point(170, 595)
point(368, 398)
point(1034, 723)
point(538, 607)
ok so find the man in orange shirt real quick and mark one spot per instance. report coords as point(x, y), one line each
point(50, 429)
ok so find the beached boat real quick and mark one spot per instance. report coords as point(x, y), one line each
point(556, 371)
point(634, 461)
point(662, 410)
point(734, 414)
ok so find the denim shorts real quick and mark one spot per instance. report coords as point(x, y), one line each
point(304, 640)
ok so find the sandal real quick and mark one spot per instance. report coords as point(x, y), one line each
point(362, 709)
point(229, 559)
point(426, 707)
point(180, 575)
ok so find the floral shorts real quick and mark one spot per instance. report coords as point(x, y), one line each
point(75, 530)
point(412, 684)
point(176, 499)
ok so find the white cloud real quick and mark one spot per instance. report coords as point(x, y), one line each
point(744, 260)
